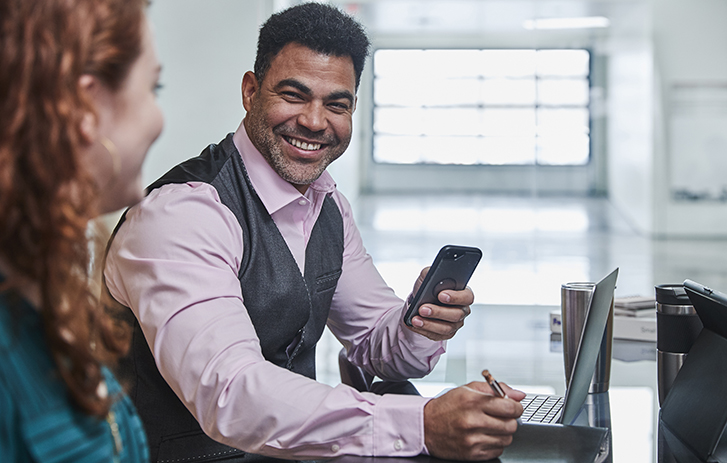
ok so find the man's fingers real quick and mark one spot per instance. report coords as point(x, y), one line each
point(514, 394)
point(436, 330)
point(511, 393)
point(469, 424)
point(447, 314)
point(420, 278)
point(461, 298)
point(509, 407)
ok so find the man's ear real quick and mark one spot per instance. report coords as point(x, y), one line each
point(88, 85)
point(250, 86)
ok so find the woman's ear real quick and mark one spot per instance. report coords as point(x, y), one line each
point(88, 86)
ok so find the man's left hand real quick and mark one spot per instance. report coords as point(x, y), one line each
point(441, 322)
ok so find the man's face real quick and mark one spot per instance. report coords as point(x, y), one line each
point(300, 116)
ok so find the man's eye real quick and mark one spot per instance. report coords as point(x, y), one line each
point(339, 106)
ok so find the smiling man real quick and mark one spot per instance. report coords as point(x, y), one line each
point(238, 259)
point(301, 122)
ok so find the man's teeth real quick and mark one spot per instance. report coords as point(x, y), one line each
point(303, 145)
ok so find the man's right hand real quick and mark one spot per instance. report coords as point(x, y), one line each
point(469, 423)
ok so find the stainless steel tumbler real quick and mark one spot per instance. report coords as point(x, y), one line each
point(677, 327)
point(574, 301)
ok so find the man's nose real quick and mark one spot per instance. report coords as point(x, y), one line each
point(313, 117)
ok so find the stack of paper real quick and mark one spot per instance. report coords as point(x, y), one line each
point(634, 319)
point(634, 306)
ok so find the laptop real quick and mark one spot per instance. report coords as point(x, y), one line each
point(551, 409)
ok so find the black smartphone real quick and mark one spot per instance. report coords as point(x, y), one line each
point(451, 269)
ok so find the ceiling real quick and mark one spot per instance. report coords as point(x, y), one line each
point(490, 16)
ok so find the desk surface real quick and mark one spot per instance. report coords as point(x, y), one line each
point(515, 344)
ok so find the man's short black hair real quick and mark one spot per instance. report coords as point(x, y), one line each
point(322, 28)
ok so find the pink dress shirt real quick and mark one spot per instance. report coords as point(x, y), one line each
point(175, 264)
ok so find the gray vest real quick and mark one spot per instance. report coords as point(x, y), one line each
point(288, 310)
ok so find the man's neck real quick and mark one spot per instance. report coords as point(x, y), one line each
point(301, 188)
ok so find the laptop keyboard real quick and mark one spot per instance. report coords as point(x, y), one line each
point(541, 408)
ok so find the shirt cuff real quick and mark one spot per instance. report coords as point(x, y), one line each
point(399, 425)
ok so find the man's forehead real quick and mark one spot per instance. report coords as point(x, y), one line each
point(298, 62)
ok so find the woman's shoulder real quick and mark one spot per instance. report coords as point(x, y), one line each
point(52, 428)
point(5, 320)
point(26, 367)
point(42, 414)
point(16, 316)
point(21, 339)
point(5, 328)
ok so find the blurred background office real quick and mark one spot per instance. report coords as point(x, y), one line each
point(574, 136)
point(568, 137)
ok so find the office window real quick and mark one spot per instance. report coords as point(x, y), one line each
point(490, 107)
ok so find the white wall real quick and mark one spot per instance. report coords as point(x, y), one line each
point(685, 47)
point(630, 131)
point(690, 51)
point(205, 47)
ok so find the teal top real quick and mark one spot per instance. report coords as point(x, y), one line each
point(38, 422)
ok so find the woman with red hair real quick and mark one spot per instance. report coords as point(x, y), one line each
point(78, 114)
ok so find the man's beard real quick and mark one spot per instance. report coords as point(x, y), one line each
point(269, 142)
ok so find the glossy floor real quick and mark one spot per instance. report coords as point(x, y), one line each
point(530, 247)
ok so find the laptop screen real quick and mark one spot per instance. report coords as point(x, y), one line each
point(590, 345)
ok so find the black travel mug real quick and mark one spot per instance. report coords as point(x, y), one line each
point(677, 327)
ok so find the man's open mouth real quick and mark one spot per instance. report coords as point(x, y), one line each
point(303, 145)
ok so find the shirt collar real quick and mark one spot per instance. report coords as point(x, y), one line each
point(274, 192)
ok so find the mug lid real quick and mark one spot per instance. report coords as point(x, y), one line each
point(672, 294)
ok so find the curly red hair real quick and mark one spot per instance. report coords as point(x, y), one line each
point(47, 197)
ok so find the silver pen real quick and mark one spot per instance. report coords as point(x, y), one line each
point(493, 384)
point(497, 388)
